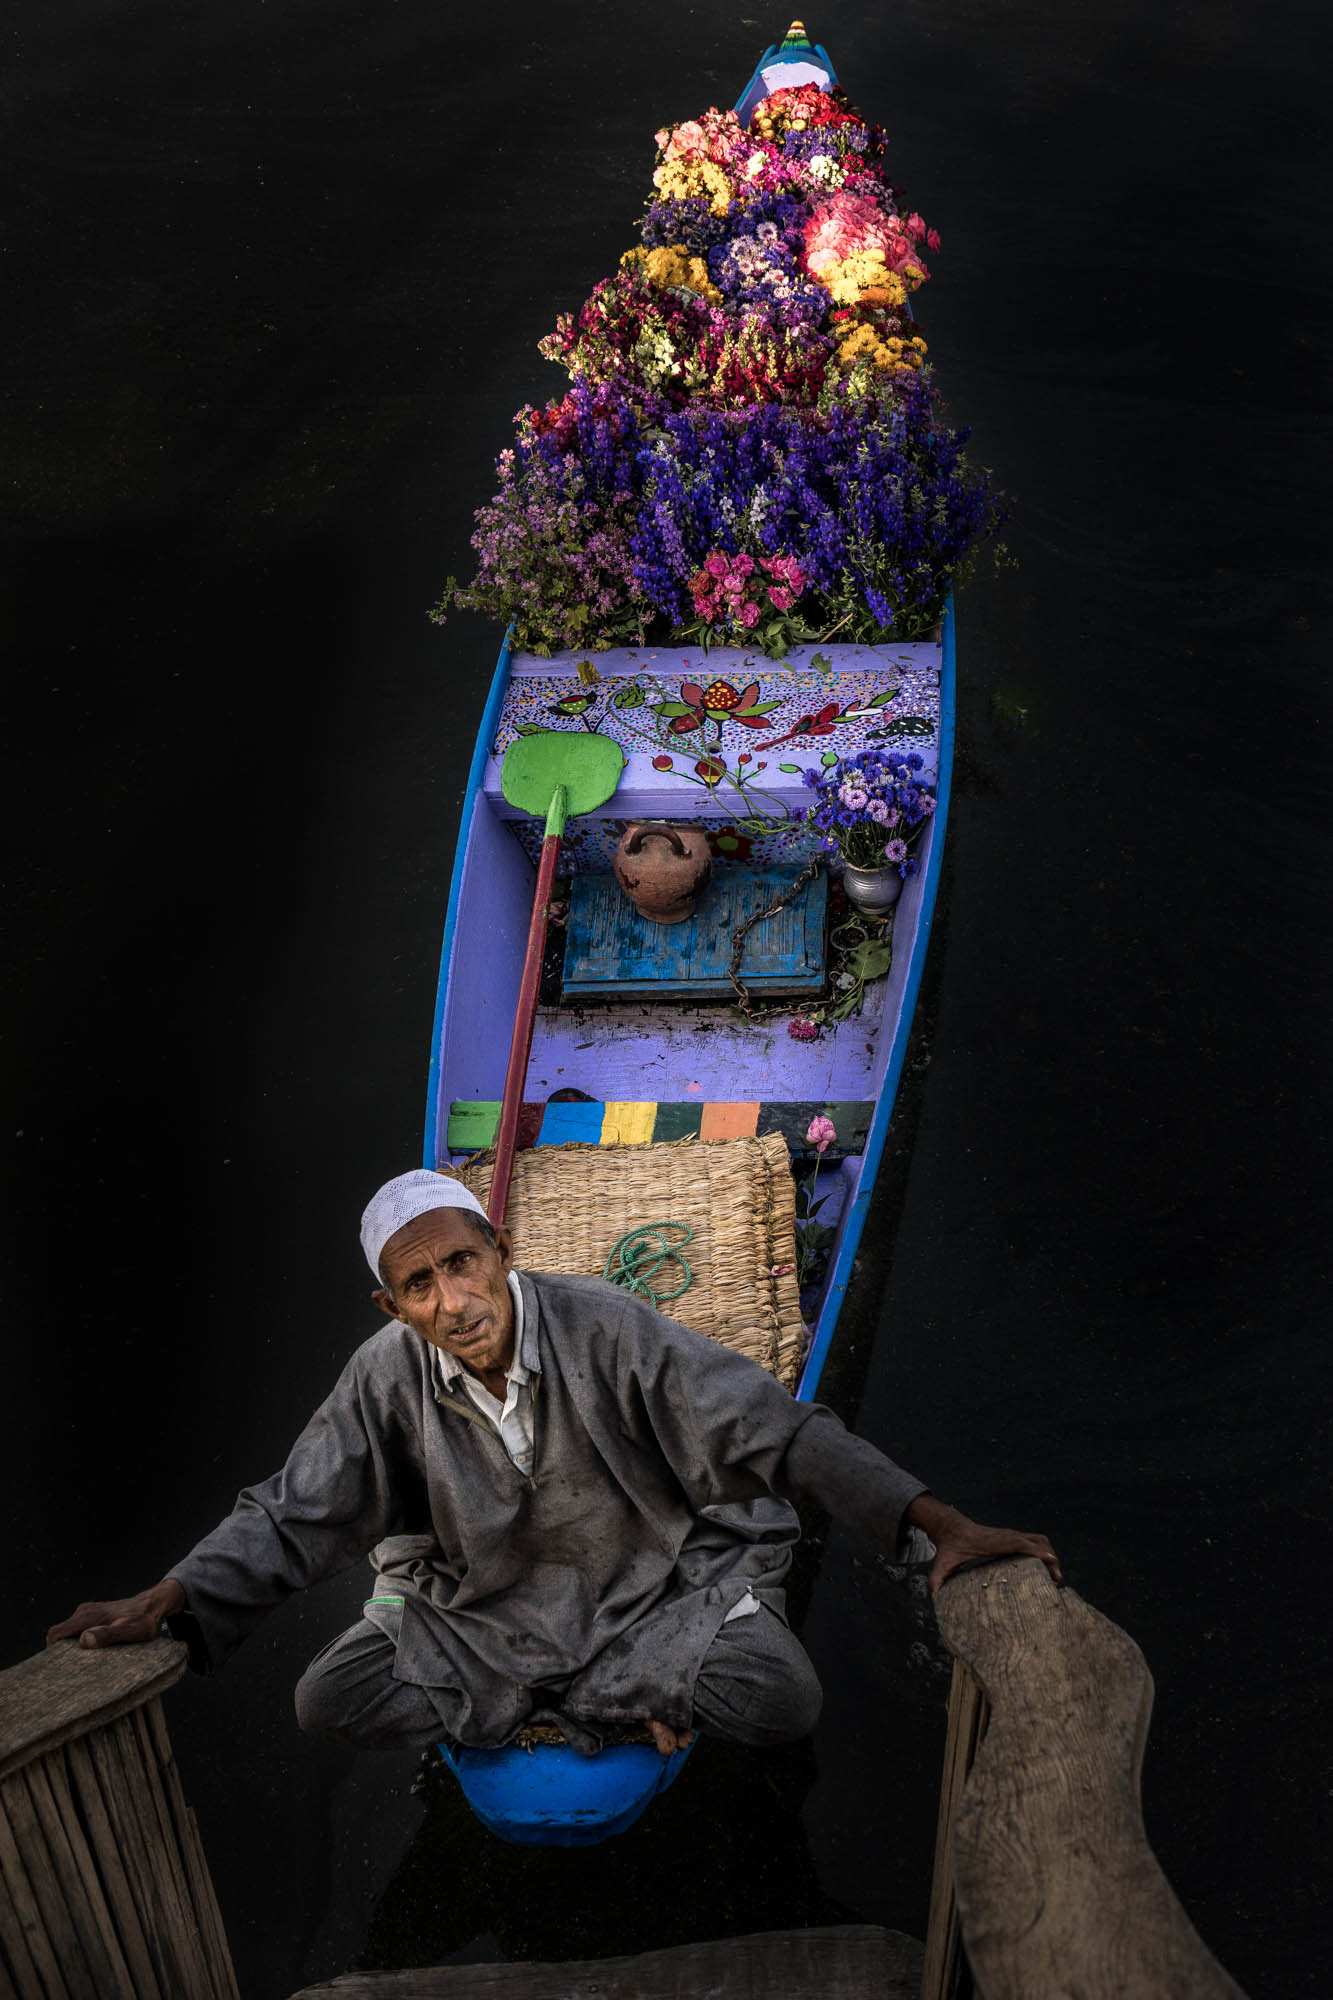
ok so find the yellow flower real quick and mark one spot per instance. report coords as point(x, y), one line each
point(673, 267)
point(683, 179)
point(919, 344)
point(863, 271)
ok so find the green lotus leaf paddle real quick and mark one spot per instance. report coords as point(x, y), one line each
point(551, 776)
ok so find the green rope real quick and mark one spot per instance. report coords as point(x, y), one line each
point(640, 1254)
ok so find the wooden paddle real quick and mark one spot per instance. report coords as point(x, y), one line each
point(550, 776)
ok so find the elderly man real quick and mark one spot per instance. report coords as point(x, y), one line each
point(578, 1512)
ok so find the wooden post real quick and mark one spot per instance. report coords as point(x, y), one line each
point(1057, 1889)
point(968, 1715)
point(104, 1890)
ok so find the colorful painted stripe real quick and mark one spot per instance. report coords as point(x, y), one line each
point(472, 1125)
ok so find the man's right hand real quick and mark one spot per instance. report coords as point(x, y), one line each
point(126, 1621)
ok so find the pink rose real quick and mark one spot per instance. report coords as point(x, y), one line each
point(742, 565)
point(821, 1132)
point(932, 239)
point(716, 564)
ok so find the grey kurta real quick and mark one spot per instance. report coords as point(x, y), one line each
point(660, 1491)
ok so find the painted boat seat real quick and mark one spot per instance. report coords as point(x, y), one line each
point(592, 1122)
point(729, 765)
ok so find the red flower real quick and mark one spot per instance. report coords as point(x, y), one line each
point(722, 696)
point(662, 763)
point(719, 702)
point(819, 723)
point(710, 770)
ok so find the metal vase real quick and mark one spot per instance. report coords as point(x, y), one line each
point(874, 891)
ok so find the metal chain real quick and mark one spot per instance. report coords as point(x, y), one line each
point(751, 1013)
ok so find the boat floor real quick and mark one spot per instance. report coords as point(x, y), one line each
point(843, 1962)
point(656, 1050)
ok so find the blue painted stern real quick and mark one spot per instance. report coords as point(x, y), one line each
point(552, 1796)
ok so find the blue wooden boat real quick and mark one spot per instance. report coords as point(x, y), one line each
point(640, 1042)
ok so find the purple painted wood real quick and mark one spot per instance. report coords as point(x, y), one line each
point(639, 1050)
point(490, 932)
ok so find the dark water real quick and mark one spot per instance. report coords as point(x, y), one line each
point(275, 273)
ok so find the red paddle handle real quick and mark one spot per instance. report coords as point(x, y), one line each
point(506, 1138)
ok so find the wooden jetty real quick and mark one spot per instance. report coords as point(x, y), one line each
point(1045, 1885)
point(104, 1890)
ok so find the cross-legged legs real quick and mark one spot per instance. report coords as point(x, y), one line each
point(756, 1685)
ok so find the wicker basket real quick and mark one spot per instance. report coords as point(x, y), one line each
point(568, 1205)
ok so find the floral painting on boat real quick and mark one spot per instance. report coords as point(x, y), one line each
point(678, 715)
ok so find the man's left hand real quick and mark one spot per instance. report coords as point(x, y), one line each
point(958, 1540)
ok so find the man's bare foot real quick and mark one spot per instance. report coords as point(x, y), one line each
point(668, 1739)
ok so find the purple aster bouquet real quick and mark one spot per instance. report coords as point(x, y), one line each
point(871, 808)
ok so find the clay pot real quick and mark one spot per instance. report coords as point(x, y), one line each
point(663, 869)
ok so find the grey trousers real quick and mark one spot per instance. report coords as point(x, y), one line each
point(756, 1685)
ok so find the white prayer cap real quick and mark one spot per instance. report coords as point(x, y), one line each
point(402, 1200)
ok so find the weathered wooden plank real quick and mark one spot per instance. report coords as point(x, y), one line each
point(68, 1689)
point(1058, 1890)
point(133, 1827)
point(844, 1962)
point(120, 1894)
point(91, 1872)
point(72, 1866)
point(21, 1979)
point(966, 1725)
point(171, 1859)
point(27, 1877)
point(203, 1896)
point(174, 1932)
point(611, 948)
point(24, 1930)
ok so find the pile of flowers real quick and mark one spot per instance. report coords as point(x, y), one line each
point(750, 449)
point(733, 592)
point(870, 808)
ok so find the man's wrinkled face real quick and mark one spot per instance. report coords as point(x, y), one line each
point(444, 1280)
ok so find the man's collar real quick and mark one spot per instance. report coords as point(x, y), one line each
point(525, 1363)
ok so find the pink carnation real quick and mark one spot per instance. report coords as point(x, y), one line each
point(716, 564)
point(780, 597)
point(749, 615)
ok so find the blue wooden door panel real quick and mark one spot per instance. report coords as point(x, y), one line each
point(612, 949)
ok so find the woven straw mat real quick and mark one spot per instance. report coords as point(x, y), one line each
point(568, 1205)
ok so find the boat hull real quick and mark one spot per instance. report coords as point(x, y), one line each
point(752, 807)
